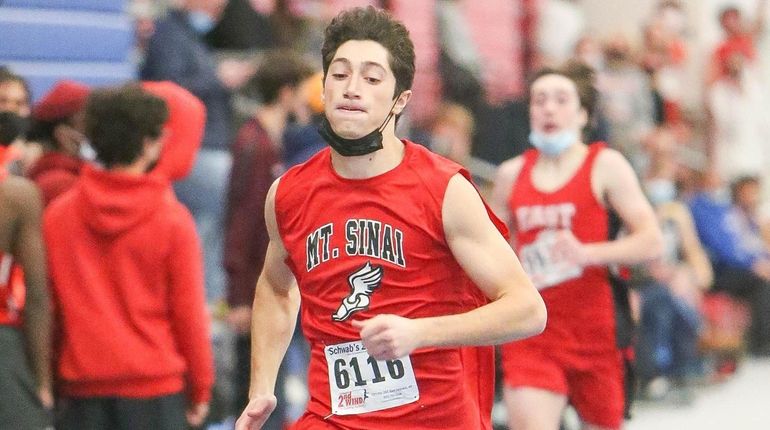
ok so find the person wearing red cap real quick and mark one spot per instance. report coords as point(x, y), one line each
point(58, 125)
point(126, 269)
point(25, 321)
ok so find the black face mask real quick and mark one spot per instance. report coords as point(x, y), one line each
point(353, 147)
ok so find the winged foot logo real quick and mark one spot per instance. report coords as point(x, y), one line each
point(363, 282)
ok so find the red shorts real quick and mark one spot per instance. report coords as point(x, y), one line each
point(310, 421)
point(594, 386)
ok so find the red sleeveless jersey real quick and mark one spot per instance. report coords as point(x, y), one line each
point(579, 300)
point(12, 290)
point(382, 238)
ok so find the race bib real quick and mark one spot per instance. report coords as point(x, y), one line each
point(359, 383)
point(543, 265)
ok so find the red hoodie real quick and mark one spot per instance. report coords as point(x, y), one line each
point(127, 276)
point(54, 173)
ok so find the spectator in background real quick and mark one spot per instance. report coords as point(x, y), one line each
point(740, 257)
point(178, 53)
point(15, 97)
point(671, 287)
point(589, 52)
point(144, 14)
point(738, 130)
point(25, 320)
point(59, 125)
point(663, 57)
point(241, 27)
point(257, 162)
point(739, 37)
point(129, 357)
point(451, 133)
point(14, 94)
point(625, 101)
point(301, 139)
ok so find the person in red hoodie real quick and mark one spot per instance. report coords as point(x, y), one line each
point(58, 125)
point(126, 270)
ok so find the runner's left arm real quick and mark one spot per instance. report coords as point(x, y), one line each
point(515, 311)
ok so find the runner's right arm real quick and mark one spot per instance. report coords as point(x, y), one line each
point(274, 314)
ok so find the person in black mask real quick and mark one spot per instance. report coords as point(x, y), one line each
point(404, 275)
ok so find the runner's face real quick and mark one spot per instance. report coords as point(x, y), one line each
point(555, 106)
point(358, 89)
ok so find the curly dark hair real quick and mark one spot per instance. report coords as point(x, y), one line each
point(378, 26)
point(278, 69)
point(118, 120)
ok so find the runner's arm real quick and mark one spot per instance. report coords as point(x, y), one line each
point(616, 182)
point(505, 177)
point(274, 314)
point(516, 309)
point(693, 250)
point(29, 251)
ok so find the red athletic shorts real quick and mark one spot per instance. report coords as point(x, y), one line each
point(310, 421)
point(593, 385)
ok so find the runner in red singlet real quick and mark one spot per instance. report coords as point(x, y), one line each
point(402, 272)
point(25, 315)
point(556, 199)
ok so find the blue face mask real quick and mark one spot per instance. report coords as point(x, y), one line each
point(86, 151)
point(553, 144)
point(201, 22)
point(660, 191)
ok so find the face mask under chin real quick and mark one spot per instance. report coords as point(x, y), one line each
point(363, 145)
point(553, 144)
point(350, 147)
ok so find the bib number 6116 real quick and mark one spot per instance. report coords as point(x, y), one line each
point(349, 367)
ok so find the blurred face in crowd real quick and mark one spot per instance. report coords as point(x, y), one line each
point(70, 134)
point(358, 90)
point(731, 21)
point(589, 52)
point(747, 196)
point(617, 50)
point(452, 133)
point(299, 101)
point(213, 8)
point(14, 98)
point(555, 106)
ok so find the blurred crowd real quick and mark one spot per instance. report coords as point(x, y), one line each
point(254, 66)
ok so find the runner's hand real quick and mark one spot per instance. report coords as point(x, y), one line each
point(196, 414)
point(569, 248)
point(256, 412)
point(388, 337)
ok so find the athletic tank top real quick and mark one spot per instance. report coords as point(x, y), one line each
point(579, 300)
point(12, 291)
point(359, 248)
